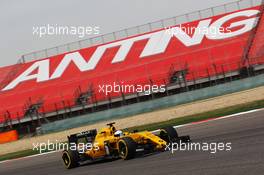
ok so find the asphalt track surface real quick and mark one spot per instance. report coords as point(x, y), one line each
point(245, 132)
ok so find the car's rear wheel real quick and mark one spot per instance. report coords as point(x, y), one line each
point(70, 159)
point(127, 148)
point(169, 134)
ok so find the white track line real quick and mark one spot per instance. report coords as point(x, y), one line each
point(214, 119)
point(21, 158)
point(220, 118)
point(178, 126)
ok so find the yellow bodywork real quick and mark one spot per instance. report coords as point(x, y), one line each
point(107, 134)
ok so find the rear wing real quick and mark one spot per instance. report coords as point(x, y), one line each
point(88, 135)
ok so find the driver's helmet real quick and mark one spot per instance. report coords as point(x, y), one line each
point(118, 133)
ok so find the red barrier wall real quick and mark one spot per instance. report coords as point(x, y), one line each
point(208, 57)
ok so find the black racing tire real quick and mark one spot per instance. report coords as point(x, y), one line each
point(127, 148)
point(169, 134)
point(70, 159)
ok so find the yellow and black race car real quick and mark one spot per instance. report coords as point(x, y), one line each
point(112, 143)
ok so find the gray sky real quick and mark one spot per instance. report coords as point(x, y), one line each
point(18, 17)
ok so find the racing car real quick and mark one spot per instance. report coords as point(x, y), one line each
point(114, 144)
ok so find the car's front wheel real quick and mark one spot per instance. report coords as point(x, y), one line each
point(127, 148)
point(169, 134)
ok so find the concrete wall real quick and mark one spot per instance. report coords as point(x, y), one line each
point(155, 104)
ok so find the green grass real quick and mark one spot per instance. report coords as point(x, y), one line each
point(178, 121)
point(18, 154)
point(23, 153)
